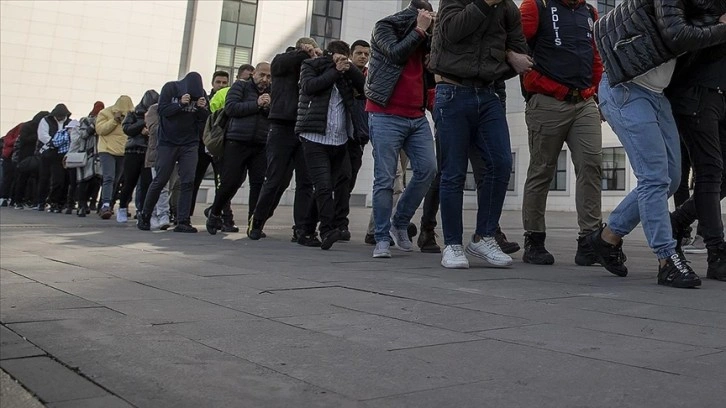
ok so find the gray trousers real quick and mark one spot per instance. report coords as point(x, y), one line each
point(112, 167)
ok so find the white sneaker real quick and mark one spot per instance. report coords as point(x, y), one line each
point(382, 250)
point(154, 223)
point(488, 250)
point(697, 246)
point(453, 257)
point(400, 238)
point(164, 222)
point(122, 216)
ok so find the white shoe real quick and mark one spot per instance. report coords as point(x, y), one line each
point(696, 246)
point(164, 222)
point(382, 250)
point(122, 216)
point(154, 223)
point(453, 257)
point(400, 238)
point(488, 250)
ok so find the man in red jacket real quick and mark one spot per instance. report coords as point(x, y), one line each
point(8, 167)
point(561, 107)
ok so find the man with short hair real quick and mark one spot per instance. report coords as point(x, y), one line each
point(220, 79)
point(245, 71)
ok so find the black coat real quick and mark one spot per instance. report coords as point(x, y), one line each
point(285, 70)
point(134, 122)
point(247, 121)
point(317, 77)
point(394, 40)
point(471, 39)
point(26, 143)
point(639, 35)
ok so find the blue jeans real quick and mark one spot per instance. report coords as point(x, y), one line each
point(473, 117)
point(389, 134)
point(644, 123)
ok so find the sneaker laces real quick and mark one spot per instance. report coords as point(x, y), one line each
point(491, 243)
point(457, 250)
point(681, 265)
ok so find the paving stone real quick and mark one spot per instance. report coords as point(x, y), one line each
point(14, 395)
point(707, 367)
point(48, 313)
point(14, 346)
point(173, 310)
point(109, 401)
point(8, 277)
point(113, 289)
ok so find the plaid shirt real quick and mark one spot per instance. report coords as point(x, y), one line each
point(61, 141)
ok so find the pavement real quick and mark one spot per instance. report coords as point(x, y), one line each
point(98, 314)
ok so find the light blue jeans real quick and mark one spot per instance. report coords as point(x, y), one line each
point(644, 123)
point(389, 134)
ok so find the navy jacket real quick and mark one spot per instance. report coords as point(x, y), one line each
point(247, 121)
point(182, 125)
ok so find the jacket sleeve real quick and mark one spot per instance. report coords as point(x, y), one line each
point(287, 62)
point(15, 157)
point(43, 129)
point(597, 66)
point(167, 108)
point(398, 51)
point(459, 21)
point(132, 124)
point(312, 83)
point(357, 79)
point(515, 37)
point(105, 123)
point(530, 18)
point(236, 105)
point(679, 34)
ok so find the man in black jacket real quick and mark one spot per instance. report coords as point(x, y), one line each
point(325, 123)
point(284, 152)
point(475, 44)
point(52, 176)
point(639, 42)
point(247, 107)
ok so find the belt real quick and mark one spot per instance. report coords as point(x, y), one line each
point(573, 96)
point(470, 82)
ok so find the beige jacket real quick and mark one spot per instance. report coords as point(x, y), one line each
point(112, 138)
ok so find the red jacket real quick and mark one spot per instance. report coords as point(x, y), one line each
point(536, 82)
point(9, 141)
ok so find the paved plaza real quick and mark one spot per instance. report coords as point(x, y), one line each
point(97, 314)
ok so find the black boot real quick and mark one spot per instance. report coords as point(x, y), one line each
point(677, 273)
point(585, 255)
point(717, 263)
point(534, 249)
point(214, 223)
point(609, 256)
point(308, 239)
point(144, 222)
point(329, 238)
point(508, 247)
point(427, 241)
point(254, 229)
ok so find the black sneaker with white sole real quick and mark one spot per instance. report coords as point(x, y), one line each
point(677, 273)
point(609, 256)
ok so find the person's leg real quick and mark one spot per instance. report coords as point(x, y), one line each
point(82, 194)
point(355, 156)
point(118, 172)
point(144, 183)
point(318, 158)
point(233, 164)
point(305, 211)
point(19, 189)
point(8, 180)
point(203, 162)
point(256, 167)
point(133, 166)
point(43, 181)
point(684, 190)
point(187, 158)
point(57, 182)
point(161, 209)
point(108, 167)
point(72, 190)
point(387, 134)
point(165, 163)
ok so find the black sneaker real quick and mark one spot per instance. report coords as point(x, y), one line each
point(508, 247)
point(585, 256)
point(370, 239)
point(412, 231)
point(330, 238)
point(534, 249)
point(677, 273)
point(427, 242)
point(717, 263)
point(185, 227)
point(229, 226)
point(19, 207)
point(143, 223)
point(308, 240)
point(214, 223)
point(81, 212)
point(609, 256)
point(294, 234)
point(254, 230)
point(344, 234)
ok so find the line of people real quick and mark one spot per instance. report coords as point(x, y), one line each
point(310, 112)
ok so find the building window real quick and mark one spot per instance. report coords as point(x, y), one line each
point(603, 6)
point(559, 181)
point(236, 35)
point(326, 21)
point(613, 169)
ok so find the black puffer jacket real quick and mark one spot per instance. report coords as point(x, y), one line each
point(285, 69)
point(317, 77)
point(394, 40)
point(134, 123)
point(247, 121)
point(639, 35)
point(28, 139)
point(471, 39)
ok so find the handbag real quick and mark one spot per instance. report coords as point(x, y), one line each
point(75, 160)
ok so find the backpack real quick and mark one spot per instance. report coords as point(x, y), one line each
point(214, 130)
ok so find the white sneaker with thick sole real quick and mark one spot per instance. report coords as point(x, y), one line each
point(400, 238)
point(382, 250)
point(453, 257)
point(488, 250)
point(122, 216)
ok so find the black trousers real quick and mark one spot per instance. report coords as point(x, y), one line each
point(239, 159)
point(185, 157)
point(329, 168)
point(705, 137)
point(203, 163)
point(25, 182)
point(52, 180)
point(285, 154)
point(355, 155)
point(135, 172)
point(9, 177)
point(684, 189)
point(88, 191)
point(71, 194)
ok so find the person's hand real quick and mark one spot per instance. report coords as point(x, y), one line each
point(722, 19)
point(145, 131)
point(185, 99)
point(202, 102)
point(318, 52)
point(424, 19)
point(342, 63)
point(118, 117)
point(520, 62)
point(263, 100)
point(492, 2)
point(309, 49)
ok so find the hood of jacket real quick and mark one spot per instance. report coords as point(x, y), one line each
point(97, 107)
point(192, 84)
point(37, 118)
point(60, 110)
point(150, 97)
point(123, 104)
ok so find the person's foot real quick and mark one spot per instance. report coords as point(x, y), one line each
point(508, 247)
point(330, 238)
point(486, 248)
point(186, 227)
point(81, 212)
point(677, 273)
point(254, 230)
point(453, 257)
point(401, 238)
point(164, 223)
point(585, 256)
point(153, 222)
point(382, 250)
point(4, 202)
point(370, 239)
point(144, 222)
point(308, 239)
point(534, 249)
point(697, 246)
point(214, 223)
point(229, 226)
point(105, 212)
point(427, 242)
point(19, 207)
point(610, 256)
point(717, 263)
point(344, 234)
point(122, 216)
point(69, 210)
point(294, 234)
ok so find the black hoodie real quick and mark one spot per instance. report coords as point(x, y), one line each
point(134, 123)
point(28, 138)
point(181, 125)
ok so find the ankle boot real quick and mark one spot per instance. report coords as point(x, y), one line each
point(427, 241)
point(534, 249)
point(717, 263)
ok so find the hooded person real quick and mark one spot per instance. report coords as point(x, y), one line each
point(8, 167)
point(182, 114)
point(135, 128)
point(111, 147)
point(52, 176)
point(25, 159)
point(89, 177)
point(71, 136)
